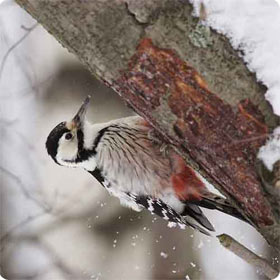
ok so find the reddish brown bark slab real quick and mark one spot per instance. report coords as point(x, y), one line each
point(221, 139)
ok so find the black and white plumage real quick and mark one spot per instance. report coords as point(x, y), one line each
point(130, 165)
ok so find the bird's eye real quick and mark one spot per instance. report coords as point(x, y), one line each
point(68, 136)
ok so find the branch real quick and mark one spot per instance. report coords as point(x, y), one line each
point(151, 53)
point(234, 246)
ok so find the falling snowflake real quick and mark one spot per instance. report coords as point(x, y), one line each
point(164, 255)
point(193, 264)
point(200, 245)
point(171, 224)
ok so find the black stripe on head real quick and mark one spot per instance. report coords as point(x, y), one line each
point(99, 136)
point(80, 137)
point(85, 154)
point(53, 139)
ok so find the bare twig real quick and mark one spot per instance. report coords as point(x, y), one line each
point(12, 231)
point(26, 28)
point(56, 260)
point(14, 46)
point(42, 204)
point(244, 253)
point(60, 264)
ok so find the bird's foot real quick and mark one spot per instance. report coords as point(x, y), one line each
point(157, 140)
point(164, 149)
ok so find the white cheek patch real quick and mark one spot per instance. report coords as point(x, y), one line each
point(67, 150)
point(67, 155)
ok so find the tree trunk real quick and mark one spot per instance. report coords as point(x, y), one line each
point(151, 52)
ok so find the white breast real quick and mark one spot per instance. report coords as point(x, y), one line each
point(132, 163)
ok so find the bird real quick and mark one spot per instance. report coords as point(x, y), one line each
point(131, 165)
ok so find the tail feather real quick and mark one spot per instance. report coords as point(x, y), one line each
point(212, 201)
point(196, 213)
point(195, 226)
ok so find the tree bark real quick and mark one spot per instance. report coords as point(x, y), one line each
point(151, 52)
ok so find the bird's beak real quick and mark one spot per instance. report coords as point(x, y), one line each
point(79, 118)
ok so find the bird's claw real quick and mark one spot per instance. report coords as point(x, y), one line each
point(155, 138)
point(164, 149)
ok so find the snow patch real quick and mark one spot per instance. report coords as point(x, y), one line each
point(270, 152)
point(253, 27)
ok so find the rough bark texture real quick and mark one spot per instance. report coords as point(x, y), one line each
point(204, 118)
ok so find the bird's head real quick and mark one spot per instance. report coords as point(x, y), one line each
point(66, 140)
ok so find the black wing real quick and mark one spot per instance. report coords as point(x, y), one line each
point(158, 207)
